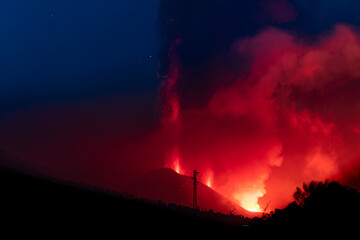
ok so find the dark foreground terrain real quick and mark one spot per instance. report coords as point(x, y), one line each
point(32, 204)
point(37, 205)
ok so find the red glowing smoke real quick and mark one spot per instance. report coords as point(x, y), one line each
point(291, 117)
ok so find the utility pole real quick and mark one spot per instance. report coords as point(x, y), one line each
point(195, 207)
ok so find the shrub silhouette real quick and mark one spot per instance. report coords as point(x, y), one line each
point(320, 206)
point(302, 194)
point(328, 197)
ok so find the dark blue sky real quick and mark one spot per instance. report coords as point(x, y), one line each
point(63, 50)
point(55, 50)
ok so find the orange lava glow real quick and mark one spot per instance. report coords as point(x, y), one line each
point(250, 209)
point(209, 182)
point(176, 166)
point(249, 201)
point(209, 178)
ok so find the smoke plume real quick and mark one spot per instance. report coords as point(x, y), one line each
point(260, 96)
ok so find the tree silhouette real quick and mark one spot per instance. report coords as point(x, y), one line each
point(327, 204)
point(302, 194)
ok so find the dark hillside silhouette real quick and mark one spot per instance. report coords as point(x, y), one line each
point(167, 185)
point(34, 202)
point(324, 207)
point(37, 204)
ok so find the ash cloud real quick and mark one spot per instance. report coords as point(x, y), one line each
point(261, 93)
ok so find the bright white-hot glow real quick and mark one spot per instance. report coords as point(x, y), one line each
point(250, 201)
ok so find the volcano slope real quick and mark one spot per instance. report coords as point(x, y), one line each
point(166, 185)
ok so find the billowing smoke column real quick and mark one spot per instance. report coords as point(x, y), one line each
point(261, 96)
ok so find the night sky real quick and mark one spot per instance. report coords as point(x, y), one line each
point(259, 96)
point(74, 75)
point(63, 50)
